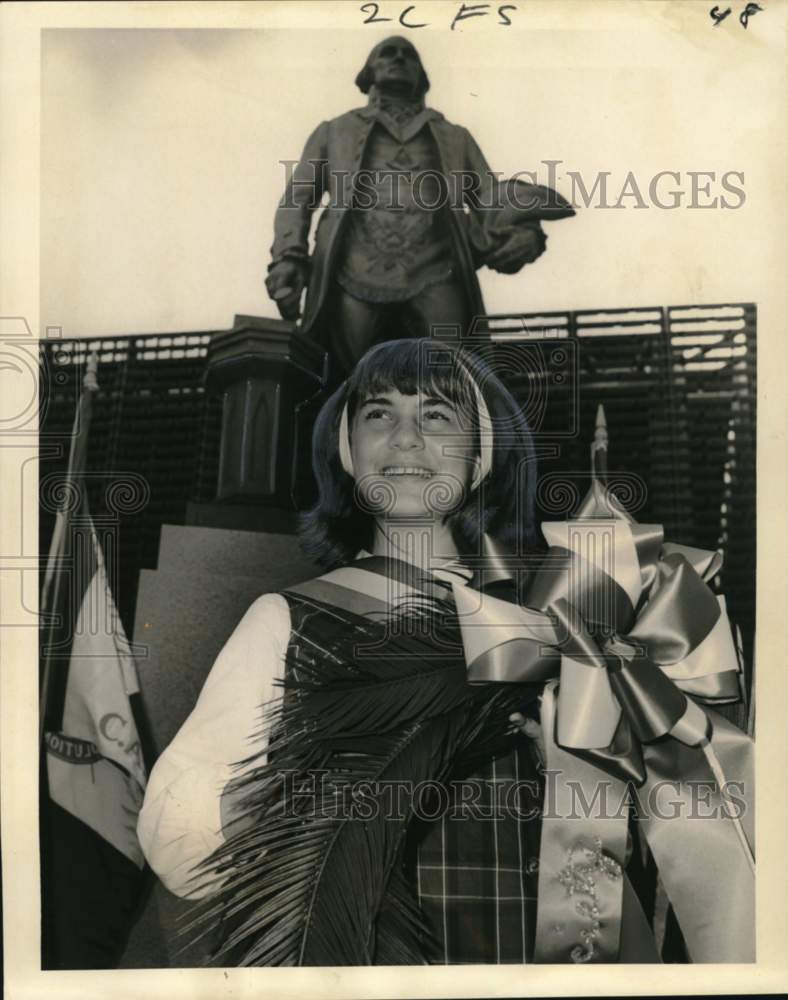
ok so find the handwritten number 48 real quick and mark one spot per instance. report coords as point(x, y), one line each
point(465, 11)
point(718, 16)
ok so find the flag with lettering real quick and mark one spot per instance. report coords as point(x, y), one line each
point(93, 776)
point(94, 763)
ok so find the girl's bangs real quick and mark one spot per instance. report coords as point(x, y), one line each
point(403, 365)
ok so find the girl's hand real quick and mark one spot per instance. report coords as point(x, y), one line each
point(531, 729)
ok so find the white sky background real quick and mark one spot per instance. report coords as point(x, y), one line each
point(160, 150)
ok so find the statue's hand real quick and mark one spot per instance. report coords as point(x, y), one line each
point(519, 246)
point(285, 283)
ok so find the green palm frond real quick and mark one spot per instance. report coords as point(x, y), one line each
point(396, 671)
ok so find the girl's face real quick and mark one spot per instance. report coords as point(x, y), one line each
point(411, 454)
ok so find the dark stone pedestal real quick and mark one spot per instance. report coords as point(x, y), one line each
point(267, 373)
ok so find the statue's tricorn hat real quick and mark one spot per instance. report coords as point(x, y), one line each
point(366, 78)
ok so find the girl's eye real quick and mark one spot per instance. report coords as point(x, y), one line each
point(435, 415)
point(376, 414)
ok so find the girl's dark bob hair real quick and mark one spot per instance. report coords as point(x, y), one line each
point(335, 529)
point(366, 77)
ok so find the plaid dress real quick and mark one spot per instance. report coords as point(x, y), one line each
point(475, 867)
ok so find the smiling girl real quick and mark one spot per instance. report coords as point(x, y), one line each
point(425, 470)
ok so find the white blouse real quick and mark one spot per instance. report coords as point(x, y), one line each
point(180, 822)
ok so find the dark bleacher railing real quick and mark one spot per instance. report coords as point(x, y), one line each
point(678, 385)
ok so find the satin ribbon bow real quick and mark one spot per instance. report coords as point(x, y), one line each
point(641, 647)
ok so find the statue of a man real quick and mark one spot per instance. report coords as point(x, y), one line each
point(394, 249)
